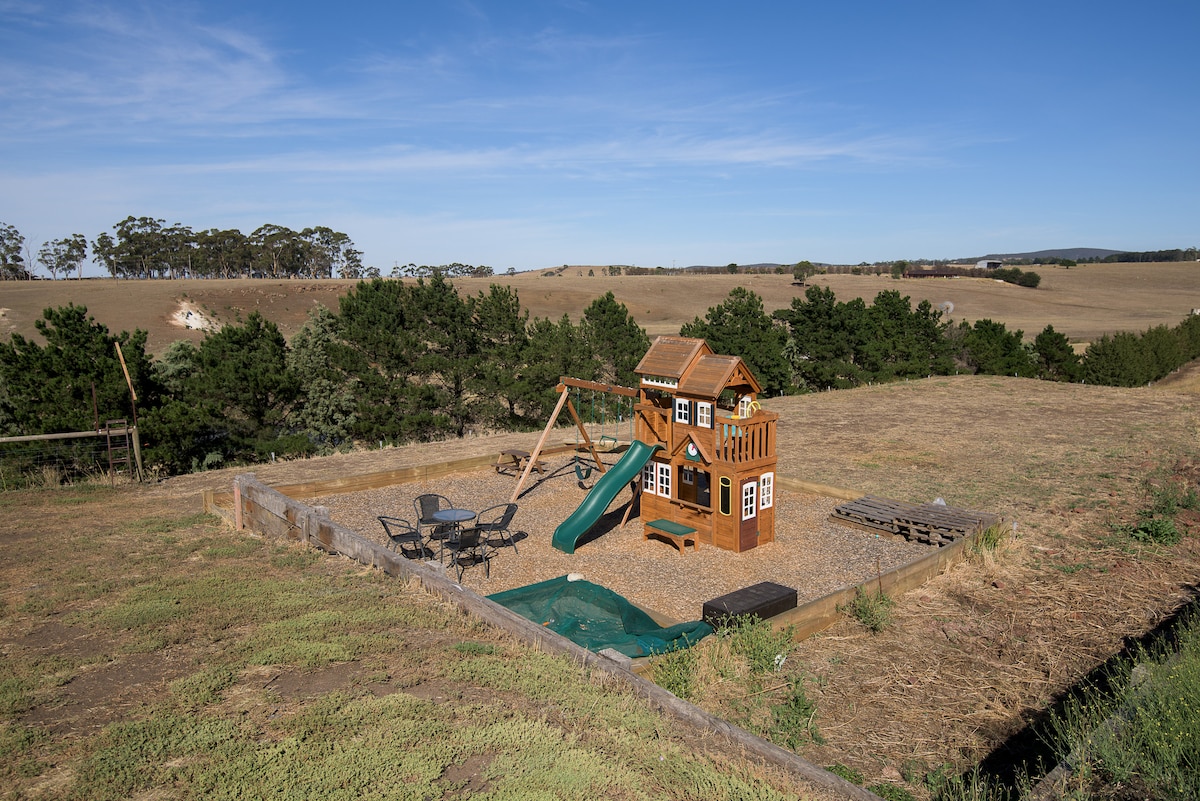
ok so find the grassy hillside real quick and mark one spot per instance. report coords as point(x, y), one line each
point(1081, 302)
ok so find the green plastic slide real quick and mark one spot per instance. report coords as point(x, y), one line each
point(601, 495)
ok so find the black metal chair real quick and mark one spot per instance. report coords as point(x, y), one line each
point(434, 530)
point(467, 548)
point(496, 520)
point(403, 538)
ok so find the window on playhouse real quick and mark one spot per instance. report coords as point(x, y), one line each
point(664, 479)
point(743, 407)
point(694, 486)
point(696, 413)
point(648, 479)
point(749, 500)
point(766, 491)
point(683, 411)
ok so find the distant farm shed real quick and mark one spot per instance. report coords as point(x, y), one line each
point(988, 264)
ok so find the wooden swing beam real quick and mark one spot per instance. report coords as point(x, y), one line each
point(565, 384)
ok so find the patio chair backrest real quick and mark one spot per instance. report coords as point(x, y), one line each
point(429, 503)
point(503, 517)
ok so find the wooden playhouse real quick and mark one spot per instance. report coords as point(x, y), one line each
point(715, 470)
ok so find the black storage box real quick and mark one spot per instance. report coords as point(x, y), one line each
point(762, 600)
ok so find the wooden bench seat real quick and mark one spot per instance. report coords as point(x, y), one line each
point(677, 533)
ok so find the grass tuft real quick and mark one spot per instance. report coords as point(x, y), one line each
point(872, 609)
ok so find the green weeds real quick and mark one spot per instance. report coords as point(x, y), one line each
point(675, 671)
point(1139, 727)
point(1155, 524)
point(745, 674)
point(872, 609)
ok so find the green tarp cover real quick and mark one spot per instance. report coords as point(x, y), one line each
point(597, 618)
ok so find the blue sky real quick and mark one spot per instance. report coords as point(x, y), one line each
point(529, 134)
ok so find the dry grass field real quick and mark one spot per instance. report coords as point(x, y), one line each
point(969, 660)
point(1081, 302)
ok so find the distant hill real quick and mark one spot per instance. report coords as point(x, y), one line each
point(1059, 253)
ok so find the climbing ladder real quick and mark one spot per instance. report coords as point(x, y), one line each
point(116, 434)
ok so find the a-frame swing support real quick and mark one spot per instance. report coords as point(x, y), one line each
point(565, 384)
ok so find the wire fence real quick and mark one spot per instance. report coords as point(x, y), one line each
point(66, 459)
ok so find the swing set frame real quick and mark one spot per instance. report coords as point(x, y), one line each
point(564, 387)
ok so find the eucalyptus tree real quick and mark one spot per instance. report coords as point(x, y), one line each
point(141, 249)
point(12, 262)
point(330, 252)
point(278, 251)
point(63, 255)
point(222, 253)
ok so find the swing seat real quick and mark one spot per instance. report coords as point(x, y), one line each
point(583, 472)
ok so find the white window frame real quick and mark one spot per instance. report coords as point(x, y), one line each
point(648, 482)
point(766, 491)
point(749, 500)
point(704, 414)
point(664, 479)
point(683, 411)
point(743, 408)
point(687, 475)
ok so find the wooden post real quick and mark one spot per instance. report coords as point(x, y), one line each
point(237, 506)
point(137, 454)
point(587, 441)
point(537, 449)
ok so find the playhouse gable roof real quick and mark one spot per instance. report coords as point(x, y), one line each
point(712, 373)
point(699, 372)
point(670, 357)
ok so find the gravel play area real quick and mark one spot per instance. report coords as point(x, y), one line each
point(810, 553)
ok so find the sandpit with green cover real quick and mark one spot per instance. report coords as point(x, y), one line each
point(598, 618)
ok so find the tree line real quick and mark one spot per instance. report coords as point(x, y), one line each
point(144, 247)
point(414, 361)
point(396, 362)
point(820, 343)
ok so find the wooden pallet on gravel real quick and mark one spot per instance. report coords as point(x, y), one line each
point(934, 523)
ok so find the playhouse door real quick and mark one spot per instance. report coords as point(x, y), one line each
point(748, 531)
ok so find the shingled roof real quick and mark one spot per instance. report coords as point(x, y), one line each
point(691, 362)
point(712, 373)
point(670, 357)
